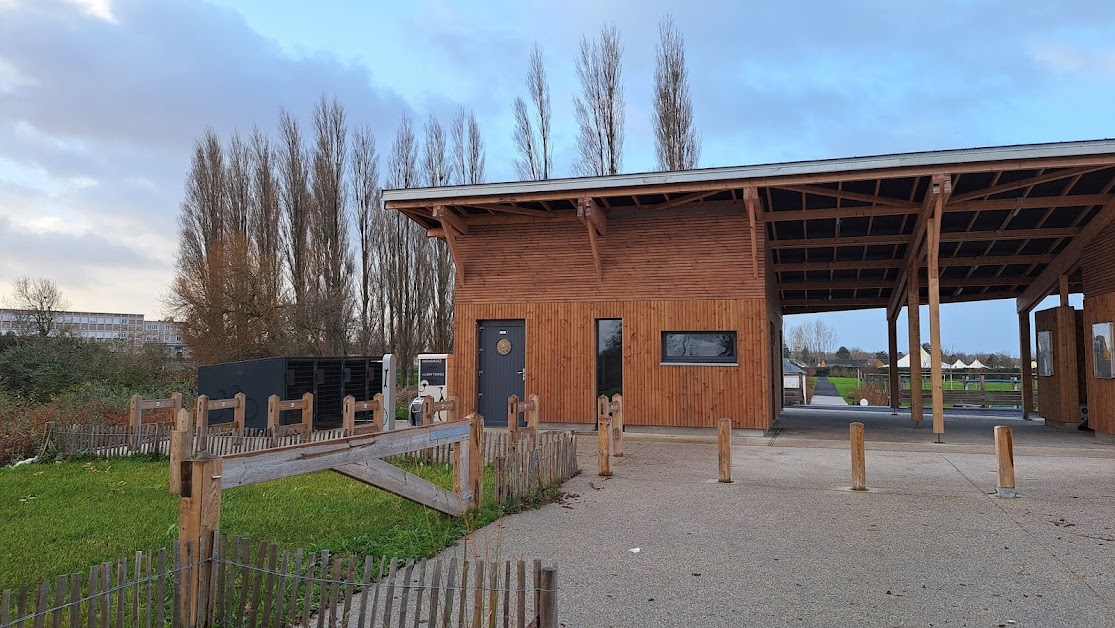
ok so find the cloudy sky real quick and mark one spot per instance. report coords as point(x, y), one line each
point(100, 101)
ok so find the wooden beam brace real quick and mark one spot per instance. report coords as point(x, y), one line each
point(851, 196)
point(1066, 260)
point(1025, 183)
point(271, 464)
point(392, 479)
point(989, 260)
point(507, 209)
point(751, 200)
point(939, 184)
point(583, 213)
point(590, 213)
point(449, 219)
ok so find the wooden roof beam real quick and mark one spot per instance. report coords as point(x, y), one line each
point(508, 209)
point(939, 185)
point(684, 200)
point(450, 232)
point(585, 208)
point(754, 208)
point(872, 284)
point(1067, 260)
point(449, 219)
point(589, 213)
point(850, 196)
point(1045, 177)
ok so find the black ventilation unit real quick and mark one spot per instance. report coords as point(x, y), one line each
point(328, 378)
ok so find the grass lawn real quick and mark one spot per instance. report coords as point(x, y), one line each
point(845, 386)
point(63, 517)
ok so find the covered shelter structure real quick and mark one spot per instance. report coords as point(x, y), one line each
point(682, 278)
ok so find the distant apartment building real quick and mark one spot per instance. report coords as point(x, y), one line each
point(128, 328)
point(168, 333)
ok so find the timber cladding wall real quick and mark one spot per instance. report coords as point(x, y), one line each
point(561, 360)
point(1060, 395)
point(1101, 392)
point(683, 253)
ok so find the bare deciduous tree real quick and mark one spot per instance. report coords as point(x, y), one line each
point(677, 145)
point(812, 341)
point(39, 306)
point(332, 317)
point(437, 170)
point(535, 161)
point(294, 180)
point(599, 108)
point(367, 196)
point(467, 150)
point(265, 226)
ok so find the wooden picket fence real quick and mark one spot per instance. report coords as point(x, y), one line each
point(523, 472)
point(258, 584)
point(110, 441)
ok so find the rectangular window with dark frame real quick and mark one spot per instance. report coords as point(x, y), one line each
point(609, 356)
point(699, 347)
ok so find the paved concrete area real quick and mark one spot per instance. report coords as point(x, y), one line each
point(825, 394)
point(787, 544)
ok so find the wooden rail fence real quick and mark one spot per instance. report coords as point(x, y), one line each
point(259, 584)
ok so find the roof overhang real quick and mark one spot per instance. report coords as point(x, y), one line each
point(840, 230)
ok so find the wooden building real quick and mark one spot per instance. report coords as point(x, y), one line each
point(671, 287)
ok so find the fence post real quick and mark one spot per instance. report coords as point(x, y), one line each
point(859, 469)
point(724, 440)
point(181, 448)
point(377, 409)
point(513, 422)
point(617, 425)
point(427, 410)
point(273, 414)
point(348, 415)
point(201, 422)
point(135, 411)
point(476, 460)
point(240, 411)
point(454, 411)
point(1004, 454)
point(547, 600)
point(307, 417)
point(533, 415)
point(199, 517)
point(603, 440)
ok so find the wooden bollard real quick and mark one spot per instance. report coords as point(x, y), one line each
point(181, 449)
point(724, 440)
point(859, 468)
point(547, 599)
point(603, 444)
point(1004, 453)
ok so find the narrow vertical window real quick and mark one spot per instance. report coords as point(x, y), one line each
point(609, 356)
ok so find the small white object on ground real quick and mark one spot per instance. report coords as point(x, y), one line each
point(23, 462)
point(863, 402)
point(634, 550)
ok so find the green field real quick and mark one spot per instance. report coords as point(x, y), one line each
point(63, 517)
point(845, 386)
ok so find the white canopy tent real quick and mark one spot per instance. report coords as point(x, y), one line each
point(977, 365)
point(959, 364)
point(926, 361)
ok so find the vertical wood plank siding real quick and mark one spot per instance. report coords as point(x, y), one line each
point(688, 269)
point(1097, 270)
point(1060, 395)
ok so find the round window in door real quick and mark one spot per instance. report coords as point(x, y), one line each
point(503, 346)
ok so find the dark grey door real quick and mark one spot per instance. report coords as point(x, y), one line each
point(502, 361)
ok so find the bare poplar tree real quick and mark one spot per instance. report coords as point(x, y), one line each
point(437, 167)
point(294, 181)
point(198, 291)
point(535, 160)
point(467, 150)
point(367, 197)
point(677, 144)
point(265, 229)
point(39, 306)
point(600, 107)
point(329, 230)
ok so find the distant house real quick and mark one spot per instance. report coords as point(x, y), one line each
point(793, 383)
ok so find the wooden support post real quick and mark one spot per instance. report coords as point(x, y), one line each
point(1063, 289)
point(239, 412)
point(1004, 454)
point(274, 415)
point(1027, 370)
point(135, 412)
point(533, 420)
point(603, 442)
point(348, 415)
point(724, 442)
point(175, 403)
point(547, 599)
point(201, 422)
point(617, 425)
point(307, 417)
point(181, 448)
point(895, 392)
point(913, 316)
point(859, 467)
point(199, 516)
point(933, 249)
point(377, 410)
